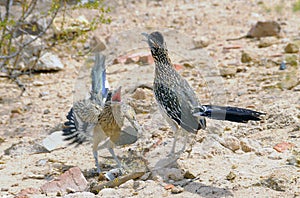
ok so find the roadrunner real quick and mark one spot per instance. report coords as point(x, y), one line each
point(177, 100)
point(101, 117)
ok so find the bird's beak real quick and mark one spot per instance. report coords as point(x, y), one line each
point(146, 39)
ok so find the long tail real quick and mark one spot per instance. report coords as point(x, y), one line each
point(233, 114)
point(99, 82)
point(83, 116)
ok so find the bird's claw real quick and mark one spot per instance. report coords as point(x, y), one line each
point(113, 174)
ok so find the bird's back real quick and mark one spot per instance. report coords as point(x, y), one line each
point(175, 97)
point(172, 92)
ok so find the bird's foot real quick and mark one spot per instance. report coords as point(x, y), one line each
point(174, 155)
point(114, 173)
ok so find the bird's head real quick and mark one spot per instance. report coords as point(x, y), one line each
point(116, 96)
point(156, 43)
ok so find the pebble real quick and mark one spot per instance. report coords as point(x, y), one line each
point(282, 65)
point(291, 48)
point(109, 192)
point(246, 58)
point(231, 176)
point(228, 71)
point(248, 145)
point(230, 142)
point(189, 175)
point(177, 189)
point(200, 42)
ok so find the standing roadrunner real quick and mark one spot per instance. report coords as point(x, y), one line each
point(177, 100)
point(101, 117)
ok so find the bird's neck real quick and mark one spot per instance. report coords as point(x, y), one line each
point(163, 64)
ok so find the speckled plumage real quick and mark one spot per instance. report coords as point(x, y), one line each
point(177, 100)
point(174, 95)
point(92, 120)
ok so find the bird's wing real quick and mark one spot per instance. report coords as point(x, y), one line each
point(82, 119)
point(233, 114)
point(130, 115)
point(131, 130)
point(174, 105)
point(77, 131)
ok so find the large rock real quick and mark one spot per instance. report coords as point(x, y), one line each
point(71, 181)
point(264, 29)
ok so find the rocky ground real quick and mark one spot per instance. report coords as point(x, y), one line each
point(257, 159)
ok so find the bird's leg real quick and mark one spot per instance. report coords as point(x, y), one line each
point(172, 153)
point(95, 153)
point(112, 152)
point(184, 143)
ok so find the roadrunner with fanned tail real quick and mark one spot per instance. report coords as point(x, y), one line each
point(177, 100)
point(101, 117)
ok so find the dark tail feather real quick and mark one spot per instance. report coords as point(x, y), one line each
point(98, 75)
point(233, 114)
point(71, 130)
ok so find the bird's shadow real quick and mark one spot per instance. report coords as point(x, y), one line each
point(189, 185)
point(207, 191)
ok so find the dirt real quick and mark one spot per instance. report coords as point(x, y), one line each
point(210, 168)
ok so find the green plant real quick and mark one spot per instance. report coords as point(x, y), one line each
point(25, 22)
point(296, 6)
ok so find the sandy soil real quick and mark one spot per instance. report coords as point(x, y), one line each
point(226, 159)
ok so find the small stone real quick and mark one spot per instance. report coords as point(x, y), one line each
point(228, 71)
point(246, 58)
point(177, 190)
point(231, 176)
point(189, 175)
point(267, 42)
point(248, 145)
point(283, 146)
point(44, 93)
point(80, 195)
point(230, 142)
point(169, 186)
point(291, 48)
point(46, 111)
point(38, 83)
point(282, 65)
point(200, 42)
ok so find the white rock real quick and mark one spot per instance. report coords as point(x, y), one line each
point(54, 140)
point(108, 192)
point(80, 195)
point(49, 62)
